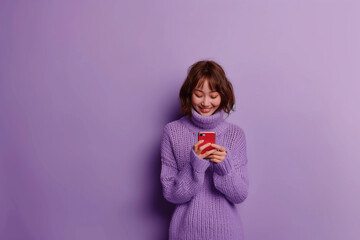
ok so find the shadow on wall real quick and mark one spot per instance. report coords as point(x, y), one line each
point(159, 205)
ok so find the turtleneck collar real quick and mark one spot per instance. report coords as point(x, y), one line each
point(197, 123)
point(207, 122)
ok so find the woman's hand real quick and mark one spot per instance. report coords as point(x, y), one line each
point(198, 149)
point(217, 156)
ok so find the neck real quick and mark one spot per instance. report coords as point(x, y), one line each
point(207, 122)
point(197, 123)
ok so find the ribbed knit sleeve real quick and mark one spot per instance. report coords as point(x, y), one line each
point(231, 175)
point(179, 186)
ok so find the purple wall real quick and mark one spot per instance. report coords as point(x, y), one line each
point(87, 86)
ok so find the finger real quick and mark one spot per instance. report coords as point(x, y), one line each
point(221, 148)
point(206, 154)
point(198, 142)
point(217, 156)
point(218, 153)
point(204, 146)
point(210, 151)
point(199, 151)
point(196, 145)
point(215, 160)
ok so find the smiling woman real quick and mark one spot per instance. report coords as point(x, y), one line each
point(205, 186)
point(206, 89)
point(205, 101)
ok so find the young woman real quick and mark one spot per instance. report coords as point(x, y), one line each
point(205, 187)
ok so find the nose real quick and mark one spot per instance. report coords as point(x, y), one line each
point(206, 102)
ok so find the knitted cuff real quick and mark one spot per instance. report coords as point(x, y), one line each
point(199, 165)
point(224, 167)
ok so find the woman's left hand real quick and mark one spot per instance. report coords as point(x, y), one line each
point(217, 156)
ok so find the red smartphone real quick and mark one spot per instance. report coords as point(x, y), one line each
point(208, 137)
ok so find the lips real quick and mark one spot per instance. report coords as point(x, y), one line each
point(205, 110)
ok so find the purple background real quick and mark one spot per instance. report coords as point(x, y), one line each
point(87, 86)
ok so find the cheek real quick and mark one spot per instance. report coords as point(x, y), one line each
point(217, 101)
point(195, 101)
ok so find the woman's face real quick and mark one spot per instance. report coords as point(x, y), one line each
point(205, 101)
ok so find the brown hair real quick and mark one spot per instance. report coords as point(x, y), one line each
point(217, 79)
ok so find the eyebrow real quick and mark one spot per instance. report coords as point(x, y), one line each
point(202, 91)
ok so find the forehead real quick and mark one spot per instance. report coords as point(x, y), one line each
point(205, 86)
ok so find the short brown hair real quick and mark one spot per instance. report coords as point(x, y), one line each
point(214, 73)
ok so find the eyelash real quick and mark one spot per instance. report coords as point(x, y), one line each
point(210, 96)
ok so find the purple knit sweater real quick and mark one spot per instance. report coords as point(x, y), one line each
point(205, 193)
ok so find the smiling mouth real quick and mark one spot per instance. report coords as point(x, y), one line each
point(205, 109)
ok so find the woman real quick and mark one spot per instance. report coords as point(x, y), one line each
point(205, 187)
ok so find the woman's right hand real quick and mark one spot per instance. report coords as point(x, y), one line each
point(198, 149)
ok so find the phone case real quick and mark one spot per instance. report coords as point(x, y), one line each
point(207, 137)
